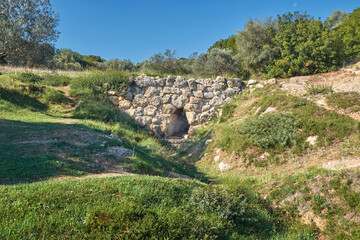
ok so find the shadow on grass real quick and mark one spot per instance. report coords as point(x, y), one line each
point(19, 99)
point(33, 152)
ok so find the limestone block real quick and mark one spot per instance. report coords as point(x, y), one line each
point(130, 112)
point(217, 93)
point(125, 104)
point(145, 82)
point(150, 110)
point(140, 100)
point(208, 82)
point(168, 109)
point(195, 100)
point(161, 82)
point(200, 87)
point(135, 90)
point(230, 92)
point(139, 111)
point(156, 100)
point(205, 117)
point(151, 91)
point(179, 102)
point(198, 94)
point(167, 90)
point(176, 91)
point(228, 100)
point(200, 81)
point(235, 82)
point(180, 82)
point(192, 107)
point(220, 79)
point(186, 92)
point(209, 89)
point(219, 86)
point(166, 98)
point(205, 108)
point(208, 95)
point(191, 117)
point(143, 120)
point(170, 81)
point(192, 84)
point(129, 96)
point(216, 101)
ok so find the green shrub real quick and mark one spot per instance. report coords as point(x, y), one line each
point(29, 77)
point(56, 80)
point(270, 130)
point(56, 97)
point(97, 109)
point(100, 82)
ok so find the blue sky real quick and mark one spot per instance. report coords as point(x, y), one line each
point(136, 29)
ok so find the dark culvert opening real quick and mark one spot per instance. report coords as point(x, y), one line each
point(178, 125)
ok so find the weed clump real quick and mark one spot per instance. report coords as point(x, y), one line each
point(97, 109)
point(56, 97)
point(29, 77)
point(56, 80)
point(270, 130)
point(99, 83)
point(345, 100)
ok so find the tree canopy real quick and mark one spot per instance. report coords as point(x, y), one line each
point(26, 28)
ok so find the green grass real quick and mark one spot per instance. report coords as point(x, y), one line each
point(134, 207)
point(99, 83)
point(314, 90)
point(349, 101)
point(56, 97)
point(36, 145)
point(283, 131)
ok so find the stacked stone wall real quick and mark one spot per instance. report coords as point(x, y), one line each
point(157, 102)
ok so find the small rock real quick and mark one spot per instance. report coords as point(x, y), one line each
point(269, 110)
point(270, 81)
point(112, 93)
point(312, 140)
point(113, 137)
point(259, 85)
point(265, 155)
point(120, 152)
point(223, 166)
point(208, 141)
point(216, 158)
point(252, 82)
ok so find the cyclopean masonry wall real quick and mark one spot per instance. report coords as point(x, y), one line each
point(175, 106)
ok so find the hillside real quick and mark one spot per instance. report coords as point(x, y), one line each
point(280, 163)
point(295, 142)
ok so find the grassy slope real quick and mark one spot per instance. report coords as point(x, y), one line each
point(138, 207)
point(290, 176)
point(40, 139)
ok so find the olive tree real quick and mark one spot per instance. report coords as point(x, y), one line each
point(23, 24)
point(215, 62)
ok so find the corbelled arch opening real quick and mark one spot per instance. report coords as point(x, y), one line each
point(178, 124)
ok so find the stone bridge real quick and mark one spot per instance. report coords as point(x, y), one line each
point(172, 107)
